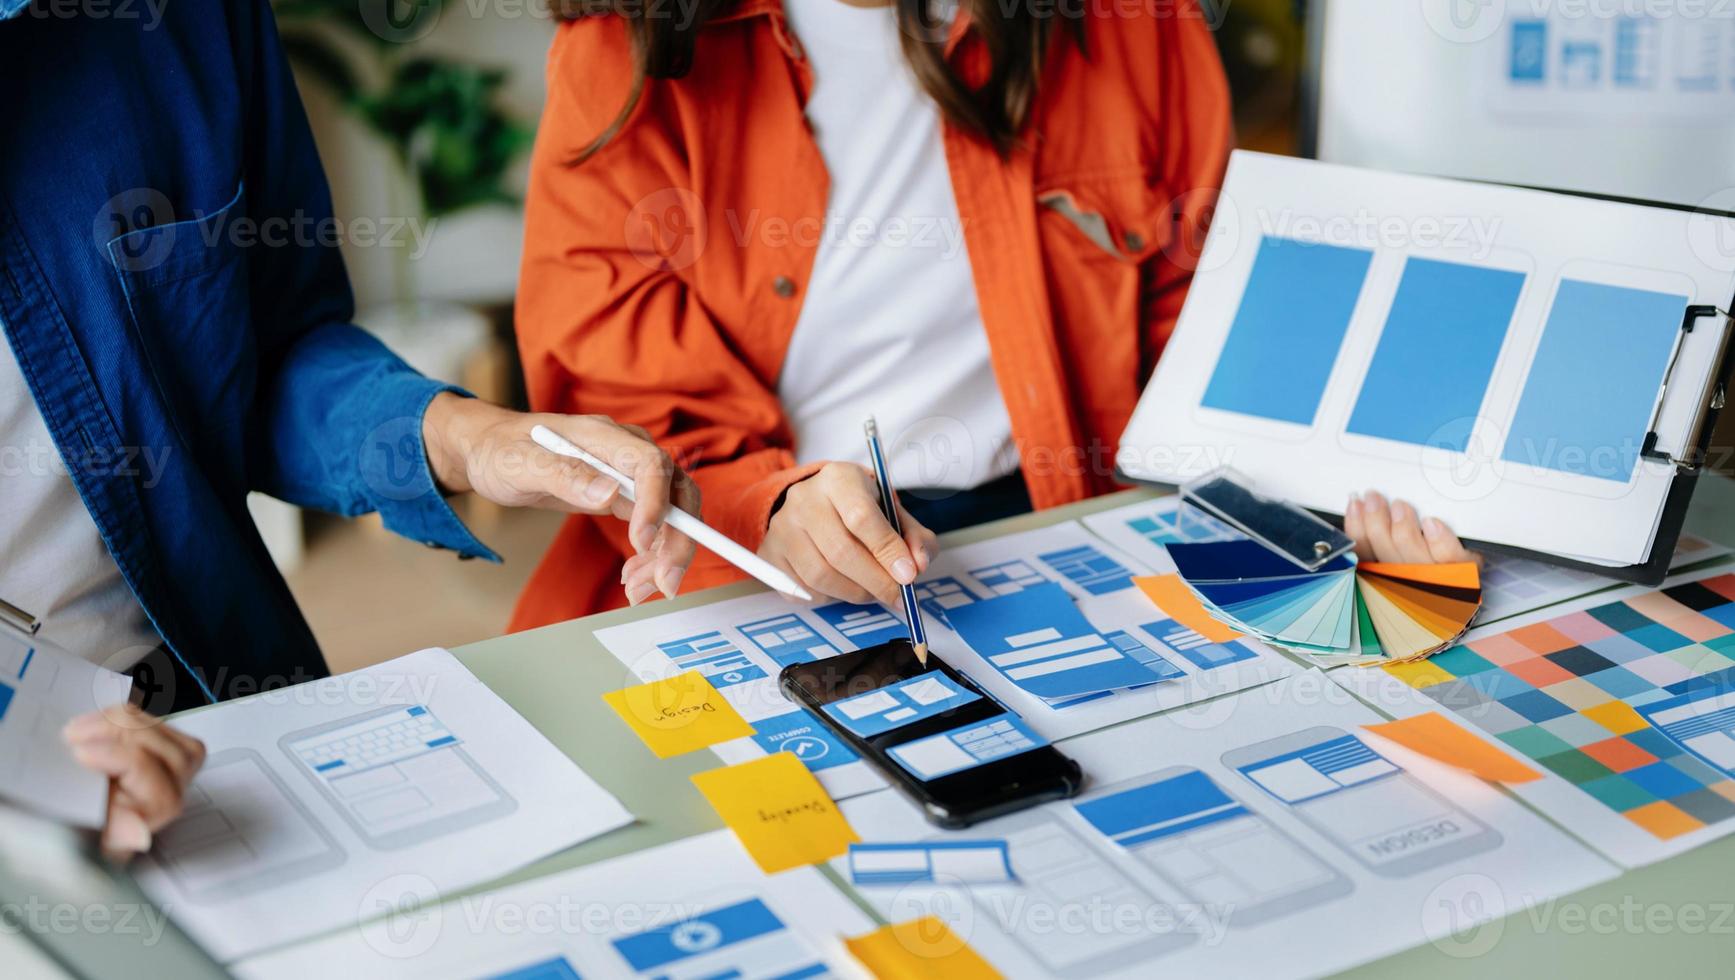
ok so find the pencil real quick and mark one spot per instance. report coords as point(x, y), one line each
point(889, 504)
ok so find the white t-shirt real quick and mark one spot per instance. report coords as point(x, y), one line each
point(53, 563)
point(889, 325)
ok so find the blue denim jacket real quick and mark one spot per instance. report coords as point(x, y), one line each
point(170, 285)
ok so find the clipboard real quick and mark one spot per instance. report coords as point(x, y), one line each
point(1686, 461)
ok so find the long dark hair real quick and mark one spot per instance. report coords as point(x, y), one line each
point(1016, 36)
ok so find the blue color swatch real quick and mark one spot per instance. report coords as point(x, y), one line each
point(1287, 332)
point(1594, 381)
point(1160, 809)
point(5, 699)
point(1431, 368)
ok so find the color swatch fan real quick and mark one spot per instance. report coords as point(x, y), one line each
point(1345, 612)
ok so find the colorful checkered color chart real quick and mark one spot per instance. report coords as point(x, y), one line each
point(1632, 701)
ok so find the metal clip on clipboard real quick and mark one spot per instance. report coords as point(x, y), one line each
point(1692, 454)
point(1283, 527)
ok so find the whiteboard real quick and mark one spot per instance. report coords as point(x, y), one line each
point(1634, 98)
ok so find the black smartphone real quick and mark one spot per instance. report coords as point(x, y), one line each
point(945, 743)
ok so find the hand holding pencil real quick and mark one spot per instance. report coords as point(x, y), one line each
point(831, 535)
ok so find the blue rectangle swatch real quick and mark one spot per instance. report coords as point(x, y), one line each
point(1430, 371)
point(1160, 809)
point(1287, 330)
point(1593, 384)
point(1529, 55)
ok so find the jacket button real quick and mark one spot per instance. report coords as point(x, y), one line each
point(783, 286)
point(1134, 241)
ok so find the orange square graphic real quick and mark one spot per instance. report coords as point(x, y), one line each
point(1664, 820)
point(1501, 649)
point(1543, 638)
point(1540, 673)
point(1618, 754)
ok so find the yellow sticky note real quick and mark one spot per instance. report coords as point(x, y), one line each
point(1439, 738)
point(678, 714)
point(782, 815)
point(918, 950)
point(1172, 596)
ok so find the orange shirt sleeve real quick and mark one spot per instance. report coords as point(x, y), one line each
point(608, 321)
point(1199, 132)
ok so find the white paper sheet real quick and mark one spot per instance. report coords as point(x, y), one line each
point(41, 689)
point(1510, 586)
point(1481, 701)
point(712, 638)
point(568, 924)
point(321, 804)
point(1218, 876)
point(1531, 491)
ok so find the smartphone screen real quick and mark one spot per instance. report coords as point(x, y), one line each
point(943, 741)
point(1373, 809)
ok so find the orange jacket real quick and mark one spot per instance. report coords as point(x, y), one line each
point(662, 277)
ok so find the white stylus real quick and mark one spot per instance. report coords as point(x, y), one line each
point(679, 519)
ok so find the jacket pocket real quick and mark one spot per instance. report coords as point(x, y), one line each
point(186, 288)
point(1119, 215)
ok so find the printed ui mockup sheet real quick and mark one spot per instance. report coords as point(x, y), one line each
point(1500, 371)
point(1247, 839)
point(1510, 586)
point(1048, 621)
point(327, 803)
point(1624, 701)
point(695, 908)
point(41, 689)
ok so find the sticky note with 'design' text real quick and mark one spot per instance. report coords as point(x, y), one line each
point(678, 714)
point(782, 815)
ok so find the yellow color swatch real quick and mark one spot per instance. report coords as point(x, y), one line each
point(918, 950)
point(1438, 737)
point(678, 714)
point(782, 815)
point(1172, 596)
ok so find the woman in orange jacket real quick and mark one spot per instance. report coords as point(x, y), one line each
point(754, 223)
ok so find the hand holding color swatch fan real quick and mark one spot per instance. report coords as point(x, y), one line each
point(1372, 612)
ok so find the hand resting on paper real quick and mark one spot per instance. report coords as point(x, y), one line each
point(149, 767)
point(1394, 533)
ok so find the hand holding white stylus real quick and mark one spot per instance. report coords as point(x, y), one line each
point(678, 519)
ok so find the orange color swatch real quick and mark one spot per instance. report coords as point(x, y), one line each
point(1439, 738)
